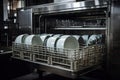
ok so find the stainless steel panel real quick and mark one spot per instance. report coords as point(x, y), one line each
point(114, 32)
point(57, 1)
point(5, 4)
point(100, 2)
point(70, 6)
point(25, 20)
point(114, 40)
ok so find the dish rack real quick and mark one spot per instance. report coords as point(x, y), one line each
point(81, 58)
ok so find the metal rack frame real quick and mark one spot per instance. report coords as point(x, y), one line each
point(83, 58)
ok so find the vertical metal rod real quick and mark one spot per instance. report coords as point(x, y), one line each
point(45, 26)
point(39, 23)
point(108, 25)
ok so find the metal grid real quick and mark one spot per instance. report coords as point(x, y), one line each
point(73, 60)
point(22, 51)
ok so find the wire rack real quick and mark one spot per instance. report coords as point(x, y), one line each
point(72, 60)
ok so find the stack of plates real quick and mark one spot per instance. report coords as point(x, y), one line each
point(80, 40)
point(51, 41)
point(33, 40)
point(44, 38)
point(93, 39)
point(21, 38)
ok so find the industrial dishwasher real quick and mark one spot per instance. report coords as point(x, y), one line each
point(68, 18)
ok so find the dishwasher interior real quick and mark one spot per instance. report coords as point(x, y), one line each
point(77, 23)
point(56, 60)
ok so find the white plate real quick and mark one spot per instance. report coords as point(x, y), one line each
point(57, 35)
point(80, 40)
point(21, 38)
point(85, 38)
point(50, 34)
point(93, 39)
point(33, 40)
point(76, 36)
point(67, 42)
point(47, 34)
point(51, 41)
point(44, 37)
point(100, 39)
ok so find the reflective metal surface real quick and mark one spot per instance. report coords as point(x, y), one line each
point(5, 9)
point(67, 6)
point(57, 1)
point(25, 20)
point(114, 40)
point(80, 29)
